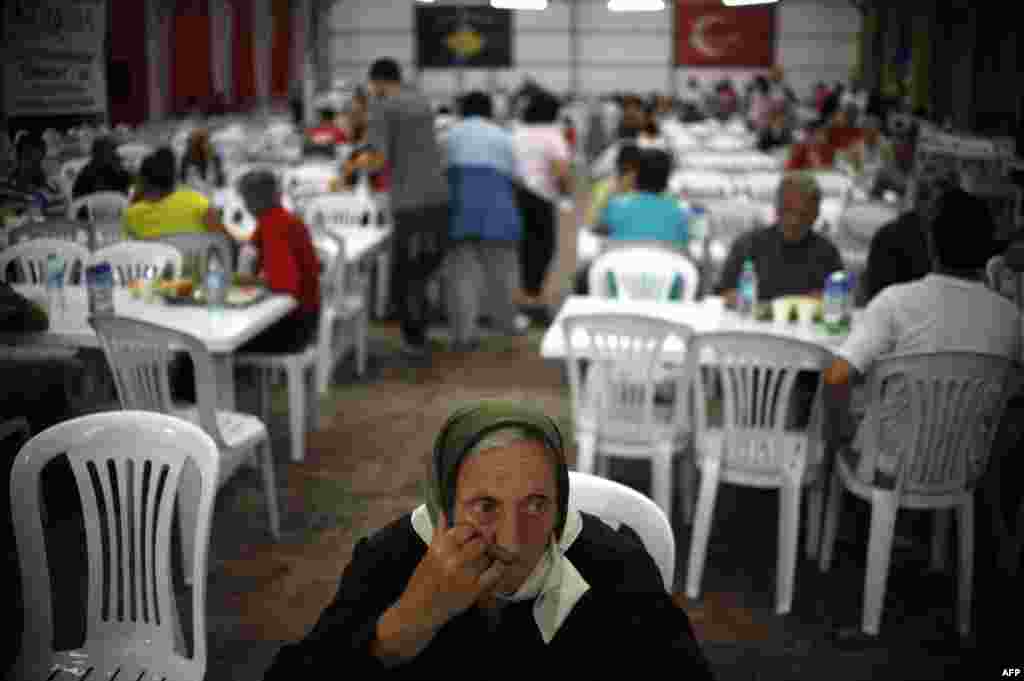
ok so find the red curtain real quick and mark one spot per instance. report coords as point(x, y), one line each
point(191, 75)
point(243, 68)
point(710, 34)
point(281, 51)
point(127, 82)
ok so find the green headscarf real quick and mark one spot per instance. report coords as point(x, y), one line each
point(468, 426)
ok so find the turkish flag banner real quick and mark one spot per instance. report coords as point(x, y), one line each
point(711, 34)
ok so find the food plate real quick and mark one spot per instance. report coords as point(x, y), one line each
point(237, 296)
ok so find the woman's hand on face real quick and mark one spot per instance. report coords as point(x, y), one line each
point(453, 574)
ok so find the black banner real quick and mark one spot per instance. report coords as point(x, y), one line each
point(471, 37)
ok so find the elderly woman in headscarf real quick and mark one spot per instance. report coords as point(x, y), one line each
point(495, 576)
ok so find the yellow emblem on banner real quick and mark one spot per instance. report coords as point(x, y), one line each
point(465, 43)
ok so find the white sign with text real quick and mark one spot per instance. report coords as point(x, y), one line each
point(54, 57)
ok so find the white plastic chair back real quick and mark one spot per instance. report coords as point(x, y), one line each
point(139, 354)
point(758, 373)
point(128, 467)
point(753, 162)
point(69, 174)
point(760, 186)
point(627, 364)
point(309, 180)
point(701, 184)
point(643, 274)
point(31, 256)
point(201, 244)
point(727, 142)
point(52, 228)
point(107, 207)
point(729, 218)
point(615, 504)
point(862, 219)
point(833, 184)
point(133, 154)
point(345, 211)
point(955, 402)
point(707, 160)
point(131, 260)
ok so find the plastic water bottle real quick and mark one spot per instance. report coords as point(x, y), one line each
point(54, 284)
point(100, 281)
point(747, 293)
point(36, 207)
point(836, 301)
point(216, 282)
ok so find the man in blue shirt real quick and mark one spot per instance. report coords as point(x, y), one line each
point(485, 223)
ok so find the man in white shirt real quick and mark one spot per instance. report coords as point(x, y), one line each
point(950, 309)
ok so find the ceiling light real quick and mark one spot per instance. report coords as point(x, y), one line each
point(744, 3)
point(519, 4)
point(635, 5)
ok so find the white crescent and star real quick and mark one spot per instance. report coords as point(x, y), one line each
point(699, 38)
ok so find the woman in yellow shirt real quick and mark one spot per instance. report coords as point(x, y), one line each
point(160, 208)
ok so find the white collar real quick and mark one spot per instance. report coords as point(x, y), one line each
point(555, 582)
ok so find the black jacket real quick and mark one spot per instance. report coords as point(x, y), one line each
point(624, 624)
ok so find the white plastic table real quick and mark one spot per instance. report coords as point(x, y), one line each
point(222, 331)
point(702, 317)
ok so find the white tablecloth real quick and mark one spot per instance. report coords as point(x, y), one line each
point(702, 317)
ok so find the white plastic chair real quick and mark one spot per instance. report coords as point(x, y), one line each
point(701, 184)
point(643, 273)
point(131, 260)
point(105, 207)
point(338, 212)
point(860, 220)
point(728, 142)
point(760, 186)
point(132, 154)
point(52, 228)
point(614, 410)
point(345, 210)
point(139, 354)
point(345, 316)
point(31, 256)
point(128, 468)
point(306, 181)
point(69, 174)
point(201, 244)
point(615, 504)
point(753, 447)
point(954, 403)
point(707, 160)
point(754, 162)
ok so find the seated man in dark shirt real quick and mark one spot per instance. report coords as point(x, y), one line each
point(496, 577)
point(104, 172)
point(789, 257)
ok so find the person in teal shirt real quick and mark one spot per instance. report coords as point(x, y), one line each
point(648, 214)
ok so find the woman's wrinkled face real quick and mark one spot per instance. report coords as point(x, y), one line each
point(509, 495)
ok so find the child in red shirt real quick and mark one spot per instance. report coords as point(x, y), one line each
point(289, 263)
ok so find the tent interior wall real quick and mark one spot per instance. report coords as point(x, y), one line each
point(954, 58)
